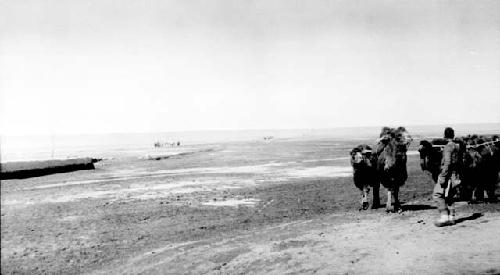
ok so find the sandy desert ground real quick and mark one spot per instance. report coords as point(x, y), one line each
point(280, 207)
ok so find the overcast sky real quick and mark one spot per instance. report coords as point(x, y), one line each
point(80, 66)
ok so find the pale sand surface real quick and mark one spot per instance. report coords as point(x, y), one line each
point(366, 244)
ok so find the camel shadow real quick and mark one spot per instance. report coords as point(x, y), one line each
point(416, 207)
point(469, 218)
point(409, 207)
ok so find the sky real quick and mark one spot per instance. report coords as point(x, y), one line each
point(102, 66)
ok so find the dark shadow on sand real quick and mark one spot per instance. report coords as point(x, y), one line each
point(417, 207)
point(376, 206)
point(469, 218)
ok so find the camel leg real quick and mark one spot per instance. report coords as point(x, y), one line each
point(491, 196)
point(469, 190)
point(364, 197)
point(376, 196)
point(388, 205)
point(478, 194)
point(490, 191)
point(397, 205)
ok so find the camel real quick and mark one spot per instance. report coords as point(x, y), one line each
point(481, 167)
point(431, 154)
point(390, 163)
point(479, 164)
point(364, 175)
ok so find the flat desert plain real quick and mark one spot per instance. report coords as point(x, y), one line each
point(279, 207)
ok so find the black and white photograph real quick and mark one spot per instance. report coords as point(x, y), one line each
point(250, 137)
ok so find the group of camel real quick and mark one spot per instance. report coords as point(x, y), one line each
point(479, 164)
point(165, 144)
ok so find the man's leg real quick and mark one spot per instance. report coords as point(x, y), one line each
point(452, 193)
point(439, 198)
point(451, 217)
point(450, 204)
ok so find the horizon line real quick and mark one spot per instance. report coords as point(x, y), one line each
point(251, 129)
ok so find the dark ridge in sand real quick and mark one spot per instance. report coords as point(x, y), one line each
point(28, 169)
point(183, 154)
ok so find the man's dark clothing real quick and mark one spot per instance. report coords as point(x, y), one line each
point(448, 179)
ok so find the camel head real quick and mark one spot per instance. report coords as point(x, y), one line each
point(361, 156)
point(403, 136)
point(472, 156)
point(357, 157)
point(425, 151)
point(392, 147)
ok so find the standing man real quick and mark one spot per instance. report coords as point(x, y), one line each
point(448, 180)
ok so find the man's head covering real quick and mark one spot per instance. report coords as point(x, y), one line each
point(449, 132)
